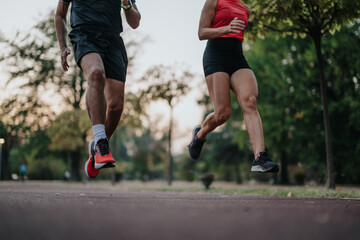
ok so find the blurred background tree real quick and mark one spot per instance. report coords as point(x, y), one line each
point(313, 19)
point(20, 118)
point(165, 84)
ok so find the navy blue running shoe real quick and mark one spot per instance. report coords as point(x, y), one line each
point(263, 164)
point(196, 144)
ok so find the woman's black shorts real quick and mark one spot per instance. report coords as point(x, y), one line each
point(109, 46)
point(224, 55)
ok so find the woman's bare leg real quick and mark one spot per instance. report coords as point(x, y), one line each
point(219, 91)
point(243, 83)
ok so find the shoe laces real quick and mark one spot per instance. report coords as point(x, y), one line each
point(263, 157)
point(103, 147)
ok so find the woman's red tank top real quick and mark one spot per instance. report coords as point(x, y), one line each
point(226, 11)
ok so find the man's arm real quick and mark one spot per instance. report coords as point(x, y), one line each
point(61, 31)
point(132, 15)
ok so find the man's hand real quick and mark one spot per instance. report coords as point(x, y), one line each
point(64, 53)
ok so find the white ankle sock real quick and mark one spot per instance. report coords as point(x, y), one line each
point(99, 132)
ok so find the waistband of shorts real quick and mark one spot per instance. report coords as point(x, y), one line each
point(96, 28)
point(226, 44)
point(225, 41)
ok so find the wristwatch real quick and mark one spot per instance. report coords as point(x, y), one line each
point(128, 6)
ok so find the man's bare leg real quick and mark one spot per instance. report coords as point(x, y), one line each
point(114, 95)
point(93, 69)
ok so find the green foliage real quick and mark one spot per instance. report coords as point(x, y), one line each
point(148, 154)
point(41, 161)
point(133, 111)
point(301, 17)
point(20, 117)
point(223, 156)
point(186, 171)
point(166, 84)
point(290, 105)
point(46, 169)
point(341, 52)
point(314, 19)
point(34, 57)
point(69, 130)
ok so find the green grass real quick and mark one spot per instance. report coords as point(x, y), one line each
point(219, 187)
point(317, 192)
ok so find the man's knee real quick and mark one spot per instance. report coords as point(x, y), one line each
point(222, 115)
point(96, 78)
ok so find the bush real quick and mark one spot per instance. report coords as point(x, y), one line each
point(46, 169)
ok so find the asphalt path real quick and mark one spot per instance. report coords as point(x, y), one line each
point(36, 211)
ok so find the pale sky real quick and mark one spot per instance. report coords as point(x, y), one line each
point(172, 27)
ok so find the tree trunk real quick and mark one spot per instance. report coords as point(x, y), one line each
point(328, 140)
point(5, 169)
point(237, 173)
point(170, 170)
point(75, 165)
point(284, 168)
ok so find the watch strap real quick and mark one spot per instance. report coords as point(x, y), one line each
point(128, 6)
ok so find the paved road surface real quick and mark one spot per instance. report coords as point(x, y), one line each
point(37, 211)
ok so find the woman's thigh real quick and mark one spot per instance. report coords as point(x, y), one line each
point(244, 85)
point(219, 90)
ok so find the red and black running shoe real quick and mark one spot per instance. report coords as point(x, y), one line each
point(90, 170)
point(103, 157)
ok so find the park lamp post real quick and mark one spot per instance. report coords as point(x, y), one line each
point(2, 141)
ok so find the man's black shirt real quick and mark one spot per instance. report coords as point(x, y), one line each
point(100, 14)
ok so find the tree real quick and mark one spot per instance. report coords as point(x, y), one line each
point(43, 163)
point(288, 108)
point(149, 153)
point(34, 58)
point(307, 18)
point(68, 132)
point(33, 63)
point(166, 84)
point(20, 116)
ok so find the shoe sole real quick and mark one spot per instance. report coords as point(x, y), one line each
point(86, 165)
point(104, 165)
point(258, 168)
point(88, 161)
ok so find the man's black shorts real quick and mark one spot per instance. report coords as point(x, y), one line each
point(109, 46)
point(224, 55)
